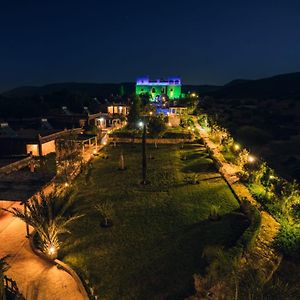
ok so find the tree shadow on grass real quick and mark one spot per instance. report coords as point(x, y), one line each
point(168, 271)
point(146, 256)
point(200, 166)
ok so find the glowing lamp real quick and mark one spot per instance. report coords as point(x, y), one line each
point(141, 124)
point(66, 184)
point(236, 147)
point(52, 251)
point(251, 159)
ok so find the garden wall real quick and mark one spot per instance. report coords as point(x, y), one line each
point(149, 140)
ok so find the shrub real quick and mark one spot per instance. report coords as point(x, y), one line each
point(247, 240)
point(288, 240)
point(177, 135)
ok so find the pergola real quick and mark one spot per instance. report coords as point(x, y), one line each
point(85, 139)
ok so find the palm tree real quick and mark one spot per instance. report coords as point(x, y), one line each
point(49, 216)
point(3, 268)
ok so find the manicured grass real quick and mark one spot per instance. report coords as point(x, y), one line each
point(155, 245)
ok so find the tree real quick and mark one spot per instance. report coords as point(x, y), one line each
point(50, 216)
point(156, 127)
point(134, 111)
point(3, 268)
point(69, 155)
point(144, 156)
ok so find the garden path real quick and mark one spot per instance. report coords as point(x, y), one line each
point(36, 278)
point(263, 256)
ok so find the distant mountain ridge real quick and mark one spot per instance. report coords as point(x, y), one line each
point(88, 89)
point(92, 89)
point(280, 86)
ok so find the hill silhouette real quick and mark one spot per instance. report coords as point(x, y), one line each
point(280, 86)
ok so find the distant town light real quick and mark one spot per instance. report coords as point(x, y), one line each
point(141, 124)
point(150, 113)
point(66, 184)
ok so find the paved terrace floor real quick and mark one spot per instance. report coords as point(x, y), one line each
point(37, 279)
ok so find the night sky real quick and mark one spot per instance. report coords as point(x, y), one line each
point(112, 41)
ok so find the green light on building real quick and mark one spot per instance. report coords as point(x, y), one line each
point(156, 89)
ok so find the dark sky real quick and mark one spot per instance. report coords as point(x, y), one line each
point(211, 41)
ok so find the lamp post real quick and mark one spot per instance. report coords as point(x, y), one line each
point(144, 156)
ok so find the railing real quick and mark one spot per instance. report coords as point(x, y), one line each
point(12, 288)
point(16, 165)
point(56, 135)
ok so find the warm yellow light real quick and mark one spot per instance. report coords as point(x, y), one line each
point(237, 147)
point(150, 113)
point(94, 151)
point(189, 127)
point(104, 143)
point(169, 124)
point(193, 129)
point(251, 159)
point(66, 184)
point(272, 177)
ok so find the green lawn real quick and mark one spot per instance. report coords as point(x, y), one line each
point(155, 245)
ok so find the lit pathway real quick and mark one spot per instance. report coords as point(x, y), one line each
point(36, 278)
point(263, 255)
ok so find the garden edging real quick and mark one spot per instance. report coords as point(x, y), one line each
point(263, 254)
point(59, 264)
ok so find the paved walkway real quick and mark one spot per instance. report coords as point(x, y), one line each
point(263, 255)
point(36, 278)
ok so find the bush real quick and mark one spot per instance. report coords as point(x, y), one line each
point(247, 240)
point(288, 240)
point(177, 135)
point(125, 134)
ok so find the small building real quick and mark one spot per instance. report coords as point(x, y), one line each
point(120, 109)
point(177, 110)
point(157, 89)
